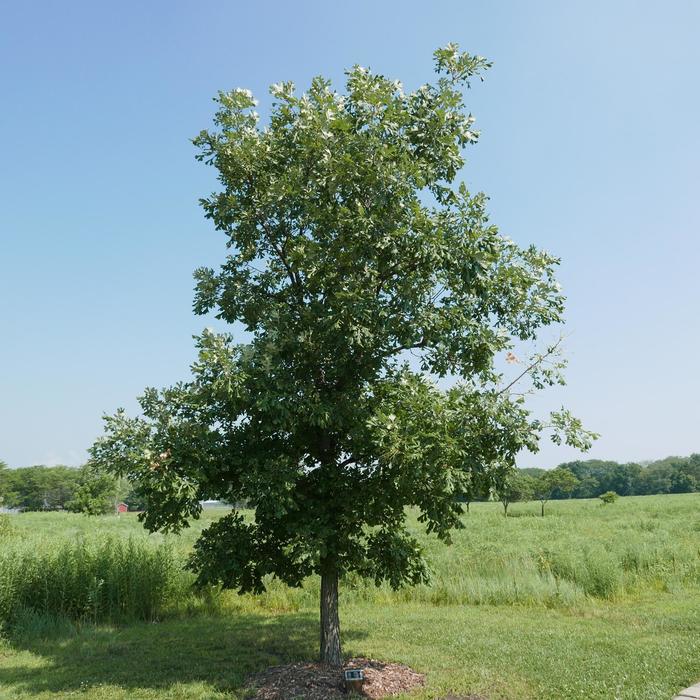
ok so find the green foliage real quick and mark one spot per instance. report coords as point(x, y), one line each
point(515, 486)
point(3, 481)
point(534, 472)
point(38, 487)
point(350, 246)
point(96, 493)
point(670, 475)
point(85, 489)
point(132, 495)
point(560, 481)
point(608, 497)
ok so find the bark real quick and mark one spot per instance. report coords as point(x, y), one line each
point(330, 622)
point(543, 509)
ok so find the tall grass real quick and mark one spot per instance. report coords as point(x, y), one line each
point(100, 578)
point(108, 569)
point(5, 526)
point(580, 551)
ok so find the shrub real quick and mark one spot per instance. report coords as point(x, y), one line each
point(608, 497)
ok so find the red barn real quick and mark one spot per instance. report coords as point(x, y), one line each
point(122, 508)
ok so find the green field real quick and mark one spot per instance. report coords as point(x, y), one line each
point(589, 602)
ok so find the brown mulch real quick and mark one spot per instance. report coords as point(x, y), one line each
point(315, 681)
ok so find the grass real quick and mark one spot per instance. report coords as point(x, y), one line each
point(89, 579)
point(589, 602)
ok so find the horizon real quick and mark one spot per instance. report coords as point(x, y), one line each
point(642, 463)
point(588, 149)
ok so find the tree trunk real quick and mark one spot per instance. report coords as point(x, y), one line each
point(330, 623)
point(543, 509)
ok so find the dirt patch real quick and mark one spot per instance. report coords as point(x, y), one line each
point(314, 681)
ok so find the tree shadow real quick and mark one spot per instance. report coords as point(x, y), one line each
point(219, 652)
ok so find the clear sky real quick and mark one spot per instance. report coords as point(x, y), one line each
point(590, 148)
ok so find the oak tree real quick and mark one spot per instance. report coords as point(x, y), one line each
point(362, 272)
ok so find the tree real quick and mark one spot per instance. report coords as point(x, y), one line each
point(656, 478)
point(133, 497)
point(40, 487)
point(685, 476)
point(3, 481)
point(476, 488)
point(351, 252)
point(549, 483)
point(534, 472)
point(622, 478)
point(516, 486)
point(608, 497)
point(96, 493)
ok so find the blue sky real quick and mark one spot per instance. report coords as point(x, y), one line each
point(590, 148)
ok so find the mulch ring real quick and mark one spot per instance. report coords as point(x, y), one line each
point(315, 681)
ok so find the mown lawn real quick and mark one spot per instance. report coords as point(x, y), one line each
point(589, 602)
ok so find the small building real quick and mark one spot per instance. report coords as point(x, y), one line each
point(122, 508)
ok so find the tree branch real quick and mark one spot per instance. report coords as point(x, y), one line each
point(540, 359)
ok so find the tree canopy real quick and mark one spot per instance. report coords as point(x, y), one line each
point(363, 272)
point(515, 486)
point(38, 487)
point(96, 493)
point(561, 481)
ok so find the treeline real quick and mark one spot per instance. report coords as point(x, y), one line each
point(596, 477)
point(83, 490)
point(78, 489)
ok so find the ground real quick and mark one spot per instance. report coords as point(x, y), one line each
point(637, 641)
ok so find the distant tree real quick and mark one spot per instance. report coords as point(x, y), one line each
point(588, 487)
point(670, 475)
point(622, 478)
point(608, 497)
point(534, 472)
point(560, 481)
point(655, 479)
point(476, 489)
point(42, 488)
point(588, 473)
point(3, 481)
point(515, 487)
point(685, 475)
point(683, 482)
point(349, 246)
point(96, 493)
point(134, 497)
point(597, 476)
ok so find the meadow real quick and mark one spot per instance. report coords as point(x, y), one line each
point(589, 602)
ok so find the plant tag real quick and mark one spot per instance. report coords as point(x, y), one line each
point(354, 674)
